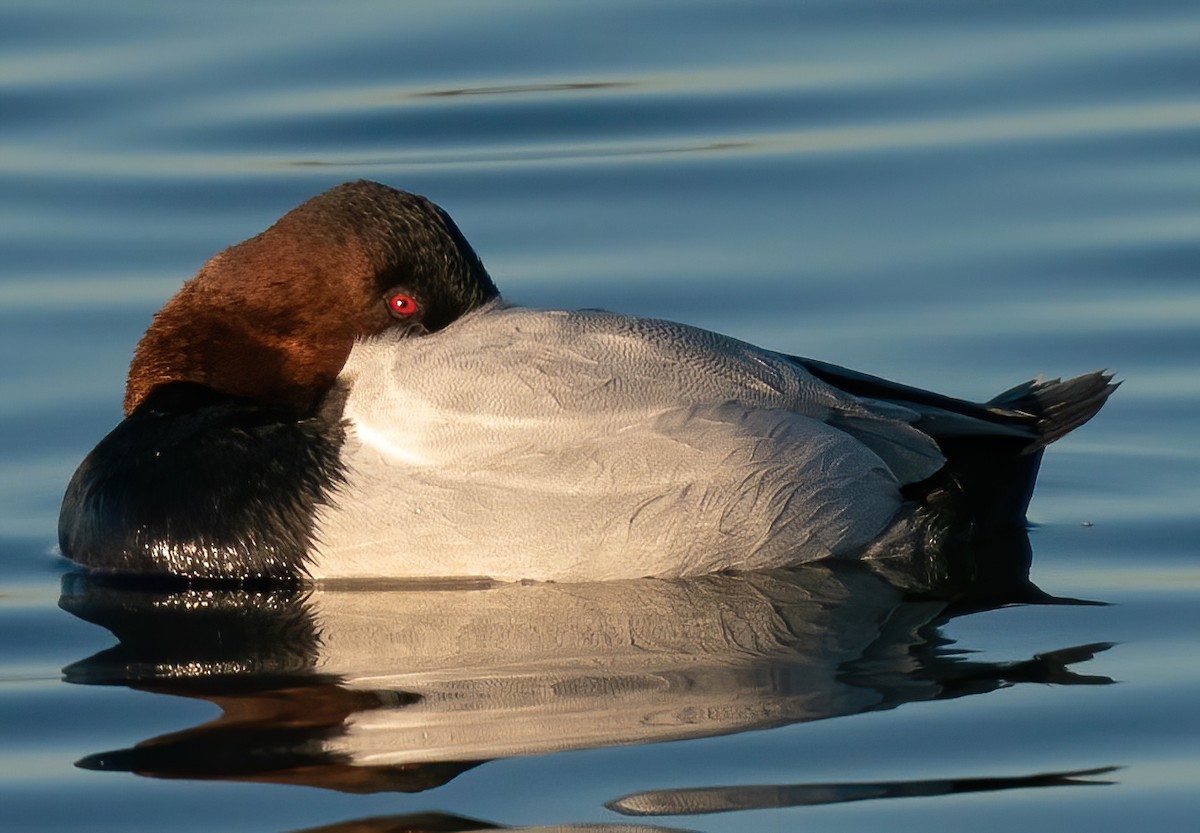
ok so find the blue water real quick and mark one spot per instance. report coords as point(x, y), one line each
point(958, 196)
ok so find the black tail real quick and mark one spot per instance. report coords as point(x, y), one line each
point(993, 449)
point(1058, 407)
point(992, 476)
point(965, 531)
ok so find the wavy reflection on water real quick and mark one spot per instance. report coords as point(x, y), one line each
point(773, 796)
point(443, 823)
point(404, 687)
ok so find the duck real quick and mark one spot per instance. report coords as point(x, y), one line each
point(347, 396)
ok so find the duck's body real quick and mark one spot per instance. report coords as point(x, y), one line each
point(585, 445)
point(512, 443)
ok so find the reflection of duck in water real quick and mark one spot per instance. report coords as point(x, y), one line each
point(401, 689)
point(344, 395)
point(442, 823)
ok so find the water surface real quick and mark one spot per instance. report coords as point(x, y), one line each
point(959, 197)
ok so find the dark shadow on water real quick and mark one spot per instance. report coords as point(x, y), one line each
point(774, 796)
point(405, 686)
point(457, 158)
point(517, 89)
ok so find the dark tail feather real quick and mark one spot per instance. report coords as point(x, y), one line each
point(990, 479)
point(992, 448)
point(1059, 407)
point(967, 522)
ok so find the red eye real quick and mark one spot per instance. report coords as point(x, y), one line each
point(402, 306)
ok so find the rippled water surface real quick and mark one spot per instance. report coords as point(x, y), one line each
point(959, 196)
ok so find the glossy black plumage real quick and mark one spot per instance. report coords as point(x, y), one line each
point(194, 483)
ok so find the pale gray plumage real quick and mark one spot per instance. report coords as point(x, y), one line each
point(521, 443)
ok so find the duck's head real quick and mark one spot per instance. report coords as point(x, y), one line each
point(272, 319)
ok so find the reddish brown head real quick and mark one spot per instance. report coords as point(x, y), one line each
point(273, 319)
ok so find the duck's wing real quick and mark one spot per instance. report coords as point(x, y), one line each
point(530, 363)
point(719, 368)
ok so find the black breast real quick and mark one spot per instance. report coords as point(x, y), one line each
point(198, 484)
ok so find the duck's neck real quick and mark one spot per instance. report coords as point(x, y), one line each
point(237, 352)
